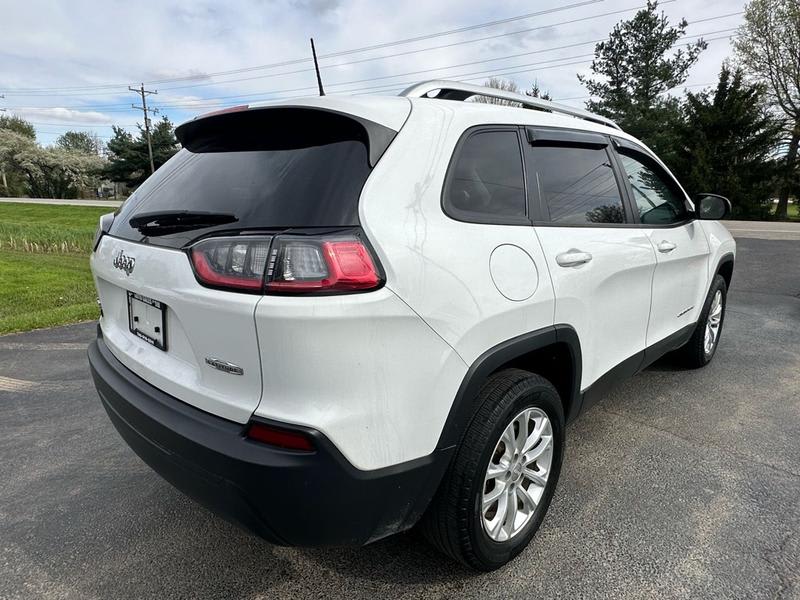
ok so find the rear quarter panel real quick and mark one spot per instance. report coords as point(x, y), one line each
point(440, 266)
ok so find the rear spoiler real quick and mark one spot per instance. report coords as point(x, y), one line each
point(280, 128)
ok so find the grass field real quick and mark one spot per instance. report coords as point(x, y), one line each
point(48, 228)
point(44, 265)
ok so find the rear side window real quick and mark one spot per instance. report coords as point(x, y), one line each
point(485, 182)
point(266, 169)
point(576, 185)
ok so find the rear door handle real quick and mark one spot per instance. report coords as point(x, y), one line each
point(573, 258)
point(666, 246)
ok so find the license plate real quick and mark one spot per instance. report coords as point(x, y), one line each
point(147, 319)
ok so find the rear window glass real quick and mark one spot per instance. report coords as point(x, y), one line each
point(265, 174)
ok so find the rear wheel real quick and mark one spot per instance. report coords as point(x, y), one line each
point(702, 346)
point(499, 486)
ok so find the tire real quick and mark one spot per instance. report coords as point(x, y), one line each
point(454, 522)
point(695, 353)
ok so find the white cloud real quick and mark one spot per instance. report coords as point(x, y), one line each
point(94, 43)
point(64, 115)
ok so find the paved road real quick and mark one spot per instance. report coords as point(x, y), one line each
point(681, 484)
point(765, 230)
point(107, 203)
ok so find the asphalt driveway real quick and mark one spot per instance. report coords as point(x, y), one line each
point(679, 484)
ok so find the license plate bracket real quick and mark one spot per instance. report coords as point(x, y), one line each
point(147, 319)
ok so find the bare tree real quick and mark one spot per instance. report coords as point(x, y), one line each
point(769, 49)
point(499, 84)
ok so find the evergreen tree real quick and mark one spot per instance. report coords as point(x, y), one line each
point(536, 92)
point(633, 71)
point(128, 158)
point(728, 144)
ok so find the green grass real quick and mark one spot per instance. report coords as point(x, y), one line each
point(48, 228)
point(43, 290)
point(44, 265)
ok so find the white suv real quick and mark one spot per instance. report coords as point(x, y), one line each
point(333, 318)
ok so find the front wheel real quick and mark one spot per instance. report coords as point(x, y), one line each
point(702, 346)
point(499, 486)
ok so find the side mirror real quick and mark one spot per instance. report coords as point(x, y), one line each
point(712, 207)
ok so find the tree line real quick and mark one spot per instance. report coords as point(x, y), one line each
point(78, 164)
point(740, 137)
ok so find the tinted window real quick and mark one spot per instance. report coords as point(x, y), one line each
point(282, 179)
point(577, 185)
point(486, 178)
point(658, 201)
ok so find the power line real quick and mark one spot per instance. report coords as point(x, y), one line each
point(107, 108)
point(422, 71)
point(331, 54)
point(429, 48)
point(471, 76)
point(415, 51)
point(394, 55)
point(464, 77)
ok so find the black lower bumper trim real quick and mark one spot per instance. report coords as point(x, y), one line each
point(288, 498)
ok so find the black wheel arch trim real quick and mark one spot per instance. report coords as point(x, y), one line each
point(726, 258)
point(465, 403)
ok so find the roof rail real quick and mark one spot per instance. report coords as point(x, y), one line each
point(454, 90)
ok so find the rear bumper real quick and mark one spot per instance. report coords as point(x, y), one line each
point(288, 498)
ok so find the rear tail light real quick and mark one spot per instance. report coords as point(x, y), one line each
point(277, 436)
point(235, 263)
point(298, 265)
point(286, 264)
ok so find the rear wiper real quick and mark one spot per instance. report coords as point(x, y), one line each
point(175, 221)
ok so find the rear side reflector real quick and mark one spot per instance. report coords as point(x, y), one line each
point(282, 438)
point(286, 264)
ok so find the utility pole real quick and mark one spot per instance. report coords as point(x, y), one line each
point(316, 68)
point(144, 93)
point(2, 170)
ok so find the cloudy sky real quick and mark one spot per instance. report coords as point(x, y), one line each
point(67, 65)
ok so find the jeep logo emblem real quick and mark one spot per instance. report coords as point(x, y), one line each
point(124, 263)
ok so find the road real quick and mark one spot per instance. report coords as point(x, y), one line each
point(754, 229)
point(57, 201)
point(680, 484)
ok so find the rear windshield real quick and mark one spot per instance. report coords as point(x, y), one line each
point(299, 168)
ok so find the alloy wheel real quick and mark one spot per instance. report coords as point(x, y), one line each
point(713, 323)
point(516, 476)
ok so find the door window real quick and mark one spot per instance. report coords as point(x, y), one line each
point(658, 200)
point(577, 185)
